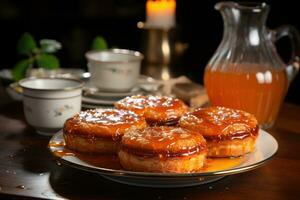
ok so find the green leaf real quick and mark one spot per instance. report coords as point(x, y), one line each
point(47, 61)
point(49, 46)
point(99, 43)
point(26, 44)
point(19, 70)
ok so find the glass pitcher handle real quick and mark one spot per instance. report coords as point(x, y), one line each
point(293, 34)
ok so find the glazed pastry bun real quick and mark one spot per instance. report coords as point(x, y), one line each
point(99, 130)
point(228, 132)
point(157, 110)
point(162, 149)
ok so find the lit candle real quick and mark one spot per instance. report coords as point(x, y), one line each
point(160, 13)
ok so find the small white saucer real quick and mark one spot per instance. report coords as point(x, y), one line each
point(145, 84)
point(91, 91)
point(94, 97)
point(15, 91)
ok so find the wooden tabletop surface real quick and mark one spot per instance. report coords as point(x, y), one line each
point(28, 170)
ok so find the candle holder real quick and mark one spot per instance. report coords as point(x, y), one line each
point(160, 49)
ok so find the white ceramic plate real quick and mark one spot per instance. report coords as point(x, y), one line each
point(266, 147)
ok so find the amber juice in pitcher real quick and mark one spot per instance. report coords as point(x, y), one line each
point(259, 93)
point(246, 72)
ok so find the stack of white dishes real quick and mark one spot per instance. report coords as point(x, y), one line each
point(94, 97)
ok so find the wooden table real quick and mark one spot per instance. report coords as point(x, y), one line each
point(27, 169)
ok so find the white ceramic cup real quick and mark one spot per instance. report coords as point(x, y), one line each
point(114, 69)
point(49, 102)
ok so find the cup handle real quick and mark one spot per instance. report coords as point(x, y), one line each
point(294, 36)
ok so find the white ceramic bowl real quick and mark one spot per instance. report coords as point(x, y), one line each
point(48, 102)
point(114, 69)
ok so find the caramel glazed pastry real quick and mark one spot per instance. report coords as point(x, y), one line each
point(157, 110)
point(99, 130)
point(228, 132)
point(162, 149)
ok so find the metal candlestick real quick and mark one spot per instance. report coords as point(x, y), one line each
point(159, 48)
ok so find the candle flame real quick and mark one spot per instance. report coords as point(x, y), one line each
point(161, 4)
point(161, 13)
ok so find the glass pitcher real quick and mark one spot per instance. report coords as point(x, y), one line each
point(246, 72)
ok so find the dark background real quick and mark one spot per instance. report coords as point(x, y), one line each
point(76, 22)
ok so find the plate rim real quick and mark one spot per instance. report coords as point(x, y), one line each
point(89, 100)
point(136, 174)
